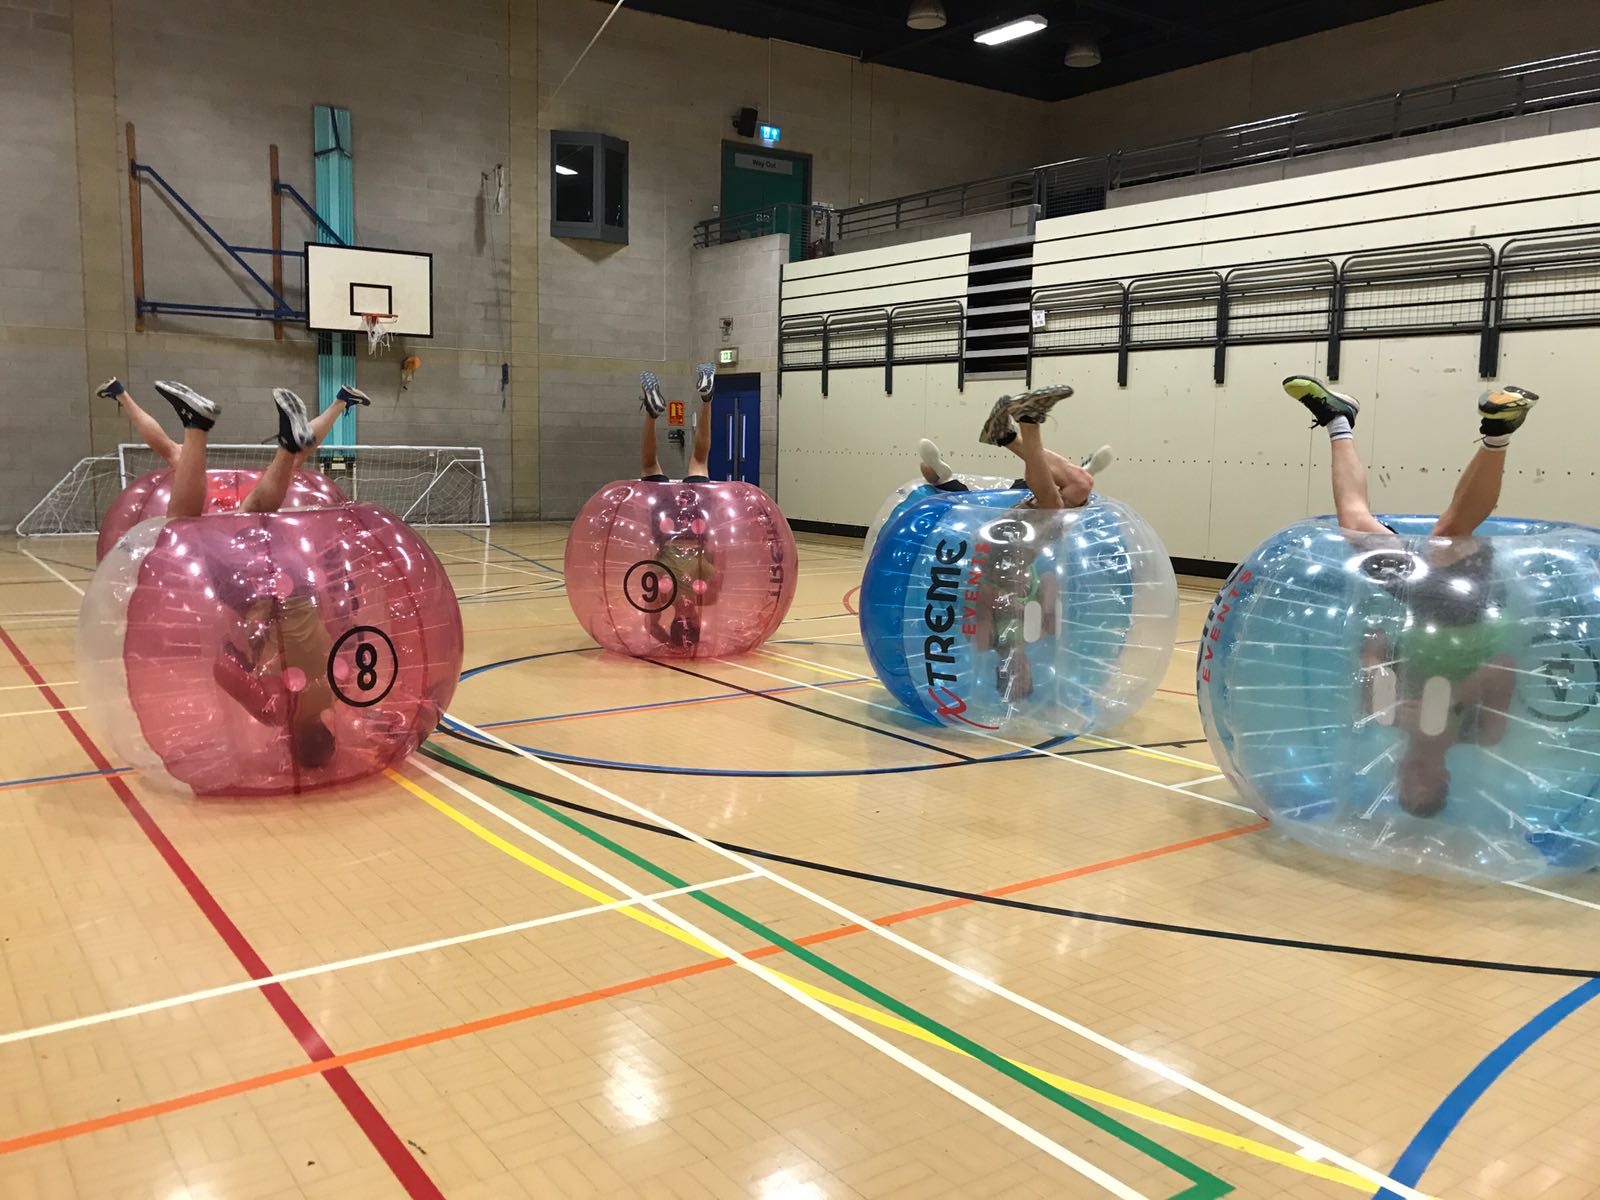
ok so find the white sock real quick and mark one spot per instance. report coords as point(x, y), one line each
point(1098, 461)
point(1496, 441)
point(930, 458)
point(1339, 429)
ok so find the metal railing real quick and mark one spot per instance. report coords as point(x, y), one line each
point(1082, 184)
point(1547, 280)
point(809, 228)
point(923, 331)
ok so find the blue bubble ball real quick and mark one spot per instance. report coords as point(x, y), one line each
point(979, 613)
point(1426, 704)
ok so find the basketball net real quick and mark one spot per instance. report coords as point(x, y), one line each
point(377, 327)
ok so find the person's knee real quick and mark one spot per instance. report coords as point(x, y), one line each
point(1076, 485)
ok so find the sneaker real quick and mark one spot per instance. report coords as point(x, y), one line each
point(998, 424)
point(352, 396)
point(651, 400)
point(1033, 407)
point(1323, 405)
point(193, 409)
point(705, 374)
point(1504, 410)
point(294, 427)
point(1099, 460)
point(929, 453)
point(110, 389)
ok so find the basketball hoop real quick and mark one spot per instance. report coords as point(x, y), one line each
point(377, 332)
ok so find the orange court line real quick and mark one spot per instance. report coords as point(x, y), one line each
point(60, 1133)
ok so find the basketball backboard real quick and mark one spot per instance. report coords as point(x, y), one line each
point(345, 282)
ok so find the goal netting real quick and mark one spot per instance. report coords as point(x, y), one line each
point(423, 485)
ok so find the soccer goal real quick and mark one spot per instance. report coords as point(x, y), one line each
point(422, 485)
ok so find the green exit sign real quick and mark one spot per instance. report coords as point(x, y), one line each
point(728, 357)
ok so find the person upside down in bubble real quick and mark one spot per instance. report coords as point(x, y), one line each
point(1447, 677)
point(691, 571)
point(1018, 597)
point(275, 664)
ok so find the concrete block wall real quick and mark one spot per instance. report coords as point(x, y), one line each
point(44, 414)
point(740, 281)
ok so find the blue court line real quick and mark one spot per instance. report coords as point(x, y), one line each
point(601, 712)
point(513, 553)
point(6, 783)
point(1437, 1128)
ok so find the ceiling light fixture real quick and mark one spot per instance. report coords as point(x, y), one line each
point(564, 170)
point(925, 14)
point(1011, 30)
point(1083, 51)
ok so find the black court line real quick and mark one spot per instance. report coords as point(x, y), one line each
point(1075, 914)
point(816, 712)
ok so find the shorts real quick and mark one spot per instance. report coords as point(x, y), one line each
point(665, 479)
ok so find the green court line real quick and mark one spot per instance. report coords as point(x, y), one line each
point(1203, 1184)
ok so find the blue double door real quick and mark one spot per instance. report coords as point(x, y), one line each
point(736, 428)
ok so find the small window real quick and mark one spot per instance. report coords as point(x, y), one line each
point(588, 186)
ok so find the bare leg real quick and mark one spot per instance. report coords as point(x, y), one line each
point(1350, 498)
point(1477, 494)
point(322, 424)
point(149, 429)
point(269, 491)
point(1063, 470)
point(189, 476)
point(1029, 446)
point(700, 460)
point(649, 460)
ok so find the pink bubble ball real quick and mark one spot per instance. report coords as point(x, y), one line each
point(149, 495)
point(680, 570)
point(266, 653)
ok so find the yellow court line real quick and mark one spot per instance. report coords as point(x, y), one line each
point(1157, 1116)
point(1177, 759)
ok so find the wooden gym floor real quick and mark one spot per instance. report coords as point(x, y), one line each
point(874, 959)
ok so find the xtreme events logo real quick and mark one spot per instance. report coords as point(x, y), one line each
point(950, 615)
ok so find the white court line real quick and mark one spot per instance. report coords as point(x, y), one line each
point(1303, 1143)
point(1078, 761)
point(1098, 737)
point(44, 566)
point(995, 1113)
point(246, 985)
point(1528, 887)
point(15, 687)
point(463, 561)
point(768, 976)
point(35, 712)
point(1074, 760)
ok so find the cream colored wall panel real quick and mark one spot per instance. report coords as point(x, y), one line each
point(877, 297)
point(882, 257)
point(920, 271)
point(1262, 448)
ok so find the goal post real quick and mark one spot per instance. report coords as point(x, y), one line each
point(422, 485)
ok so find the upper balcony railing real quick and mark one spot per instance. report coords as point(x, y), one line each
point(1082, 184)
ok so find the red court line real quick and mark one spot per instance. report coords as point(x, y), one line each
point(845, 600)
point(340, 1062)
point(359, 1105)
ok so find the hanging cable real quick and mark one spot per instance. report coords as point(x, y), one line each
point(586, 50)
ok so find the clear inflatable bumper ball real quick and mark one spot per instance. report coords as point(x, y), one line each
point(1028, 623)
point(258, 654)
point(1426, 704)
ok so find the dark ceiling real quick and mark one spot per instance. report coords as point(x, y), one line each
point(1137, 38)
